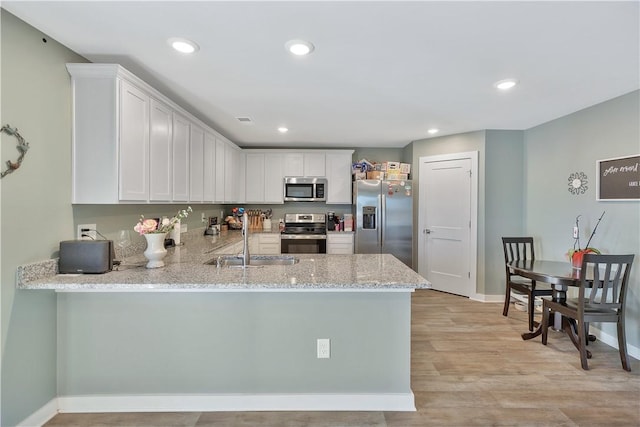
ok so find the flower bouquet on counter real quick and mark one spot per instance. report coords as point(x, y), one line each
point(151, 226)
point(577, 253)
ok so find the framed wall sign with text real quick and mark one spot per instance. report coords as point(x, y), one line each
point(618, 178)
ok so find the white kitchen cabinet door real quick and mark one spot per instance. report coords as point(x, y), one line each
point(314, 164)
point(268, 244)
point(340, 244)
point(180, 158)
point(134, 143)
point(255, 178)
point(196, 164)
point(304, 164)
point(209, 167)
point(160, 152)
point(241, 164)
point(220, 170)
point(339, 178)
point(293, 164)
point(230, 181)
point(273, 178)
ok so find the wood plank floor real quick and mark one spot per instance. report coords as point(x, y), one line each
point(469, 368)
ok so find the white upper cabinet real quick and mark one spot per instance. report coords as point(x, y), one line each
point(234, 176)
point(339, 177)
point(160, 152)
point(270, 166)
point(181, 176)
point(255, 184)
point(196, 164)
point(293, 164)
point(273, 178)
point(132, 144)
point(209, 186)
point(220, 170)
point(304, 164)
point(314, 164)
point(264, 178)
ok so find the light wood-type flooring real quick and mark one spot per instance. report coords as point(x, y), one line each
point(469, 368)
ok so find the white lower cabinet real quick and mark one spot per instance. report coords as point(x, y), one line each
point(340, 243)
point(267, 244)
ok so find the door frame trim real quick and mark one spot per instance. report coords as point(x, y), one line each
point(473, 237)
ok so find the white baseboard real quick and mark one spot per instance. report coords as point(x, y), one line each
point(404, 402)
point(487, 298)
point(42, 415)
point(238, 402)
point(613, 342)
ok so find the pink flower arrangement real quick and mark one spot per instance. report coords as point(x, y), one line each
point(150, 225)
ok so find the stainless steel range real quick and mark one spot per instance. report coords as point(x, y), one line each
point(304, 234)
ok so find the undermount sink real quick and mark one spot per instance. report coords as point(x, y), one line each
point(254, 260)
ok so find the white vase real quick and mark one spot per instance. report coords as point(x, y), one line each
point(155, 251)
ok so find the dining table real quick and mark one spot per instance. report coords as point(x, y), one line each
point(561, 275)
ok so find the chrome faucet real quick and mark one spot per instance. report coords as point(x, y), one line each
point(245, 235)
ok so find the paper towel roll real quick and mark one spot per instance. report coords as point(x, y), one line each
point(175, 233)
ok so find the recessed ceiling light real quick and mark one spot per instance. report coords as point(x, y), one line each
point(432, 131)
point(183, 45)
point(299, 47)
point(283, 129)
point(506, 84)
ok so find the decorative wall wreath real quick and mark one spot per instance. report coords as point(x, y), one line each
point(578, 183)
point(22, 147)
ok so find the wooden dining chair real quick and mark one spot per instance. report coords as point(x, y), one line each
point(600, 299)
point(521, 249)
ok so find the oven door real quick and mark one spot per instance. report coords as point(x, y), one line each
point(303, 243)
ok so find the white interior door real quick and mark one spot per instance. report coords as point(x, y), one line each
point(447, 222)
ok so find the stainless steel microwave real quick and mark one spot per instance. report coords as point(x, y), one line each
point(305, 189)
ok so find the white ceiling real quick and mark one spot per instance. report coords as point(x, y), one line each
point(382, 73)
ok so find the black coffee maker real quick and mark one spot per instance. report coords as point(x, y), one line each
point(331, 221)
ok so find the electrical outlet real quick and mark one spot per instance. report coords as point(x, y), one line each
point(183, 228)
point(86, 232)
point(324, 348)
point(203, 218)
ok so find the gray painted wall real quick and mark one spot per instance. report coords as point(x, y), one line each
point(233, 343)
point(504, 201)
point(573, 144)
point(36, 208)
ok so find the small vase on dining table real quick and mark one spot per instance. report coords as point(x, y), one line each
point(576, 257)
point(155, 251)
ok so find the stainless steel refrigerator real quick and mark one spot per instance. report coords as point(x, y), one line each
point(384, 218)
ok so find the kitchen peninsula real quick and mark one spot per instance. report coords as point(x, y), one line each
point(192, 336)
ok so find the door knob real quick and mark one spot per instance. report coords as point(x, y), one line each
point(426, 231)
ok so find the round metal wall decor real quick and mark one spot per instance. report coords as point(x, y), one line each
point(22, 147)
point(578, 183)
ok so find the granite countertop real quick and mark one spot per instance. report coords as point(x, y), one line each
point(185, 271)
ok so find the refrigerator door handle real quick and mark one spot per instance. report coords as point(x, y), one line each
point(383, 223)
